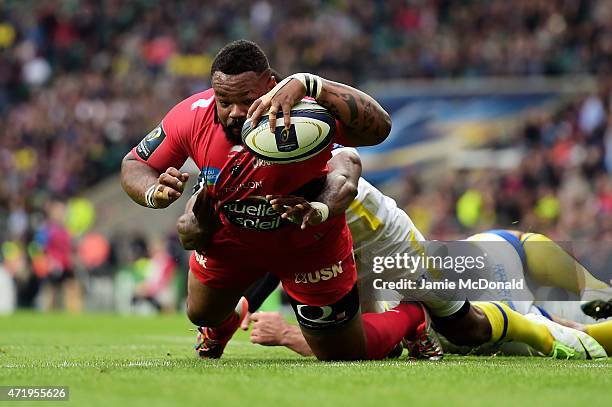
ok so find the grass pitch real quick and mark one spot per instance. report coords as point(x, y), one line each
point(111, 360)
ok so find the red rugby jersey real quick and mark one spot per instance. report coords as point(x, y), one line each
point(239, 181)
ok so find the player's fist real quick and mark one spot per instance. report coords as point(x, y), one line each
point(199, 223)
point(189, 231)
point(169, 187)
point(268, 328)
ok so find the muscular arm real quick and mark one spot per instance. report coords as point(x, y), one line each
point(137, 177)
point(188, 227)
point(365, 122)
point(271, 329)
point(199, 222)
point(338, 192)
point(341, 184)
point(294, 340)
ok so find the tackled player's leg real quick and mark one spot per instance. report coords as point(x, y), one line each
point(551, 265)
point(497, 322)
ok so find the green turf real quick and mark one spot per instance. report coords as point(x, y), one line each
point(111, 360)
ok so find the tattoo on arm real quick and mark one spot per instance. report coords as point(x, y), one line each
point(352, 104)
point(366, 121)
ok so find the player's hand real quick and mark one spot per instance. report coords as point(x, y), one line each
point(204, 208)
point(197, 226)
point(189, 231)
point(246, 322)
point(268, 328)
point(296, 209)
point(169, 187)
point(281, 98)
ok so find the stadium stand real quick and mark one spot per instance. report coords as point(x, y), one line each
point(82, 81)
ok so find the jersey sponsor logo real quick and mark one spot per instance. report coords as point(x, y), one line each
point(202, 103)
point(208, 176)
point(149, 144)
point(258, 163)
point(324, 274)
point(253, 213)
point(317, 315)
point(244, 185)
point(326, 316)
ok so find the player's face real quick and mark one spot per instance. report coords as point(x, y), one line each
point(234, 94)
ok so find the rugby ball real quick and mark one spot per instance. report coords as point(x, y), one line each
point(312, 129)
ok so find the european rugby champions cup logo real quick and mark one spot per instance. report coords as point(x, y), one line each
point(150, 143)
point(285, 135)
point(286, 138)
point(156, 133)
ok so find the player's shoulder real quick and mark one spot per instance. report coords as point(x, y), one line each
point(201, 100)
point(198, 107)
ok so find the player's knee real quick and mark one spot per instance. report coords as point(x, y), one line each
point(195, 315)
point(478, 335)
point(202, 316)
point(475, 337)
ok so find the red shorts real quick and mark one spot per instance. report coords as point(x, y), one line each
point(317, 280)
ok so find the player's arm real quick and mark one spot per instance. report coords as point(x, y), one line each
point(199, 222)
point(339, 191)
point(271, 329)
point(188, 227)
point(341, 183)
point(364, 122)
point(149, 173)
point(147, 186)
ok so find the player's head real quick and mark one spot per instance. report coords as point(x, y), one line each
point(240, 73)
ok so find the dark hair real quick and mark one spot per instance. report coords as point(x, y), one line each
point(238, 57)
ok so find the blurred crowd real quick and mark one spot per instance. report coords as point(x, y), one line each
point(60, 267)
point(82, 81)
point(560, 186)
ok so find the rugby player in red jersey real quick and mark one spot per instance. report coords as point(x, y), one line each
point(253, 238)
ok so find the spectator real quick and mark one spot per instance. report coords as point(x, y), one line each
point(57, 246)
